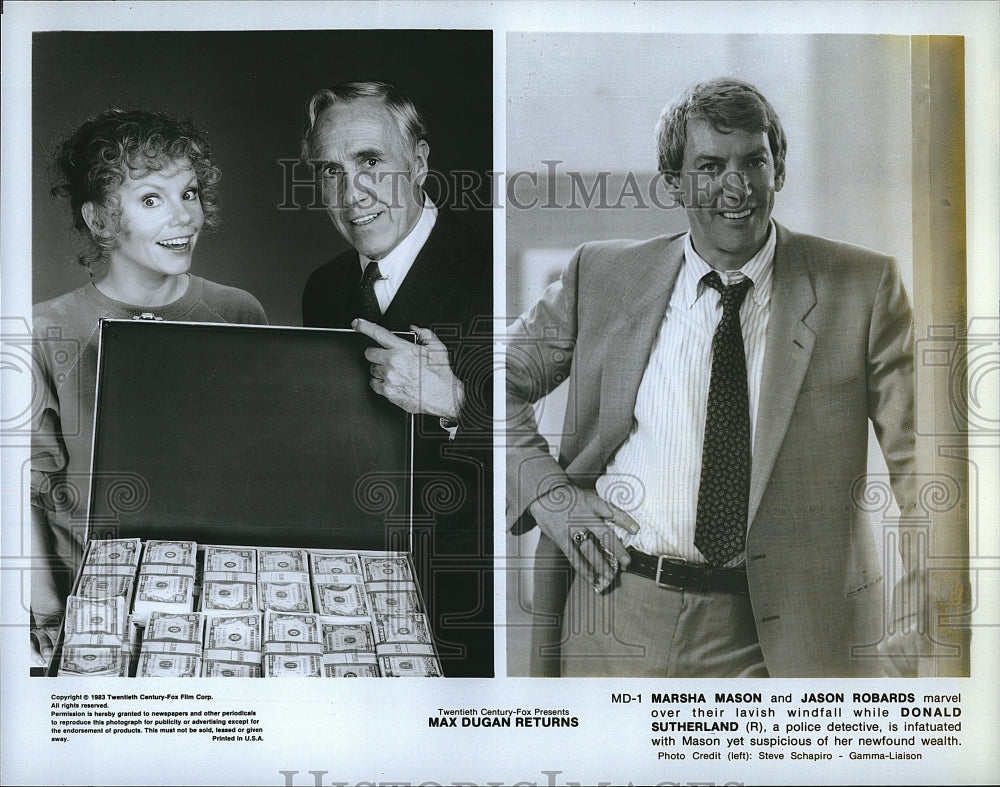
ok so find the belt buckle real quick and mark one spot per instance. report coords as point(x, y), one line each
point(659, 571)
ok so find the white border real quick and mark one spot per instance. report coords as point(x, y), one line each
point(378, 732)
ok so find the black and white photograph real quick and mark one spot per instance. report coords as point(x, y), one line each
point(744, 524)
point(630, 369)
point(331, 167)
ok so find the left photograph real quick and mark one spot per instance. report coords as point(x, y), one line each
point(262, 338)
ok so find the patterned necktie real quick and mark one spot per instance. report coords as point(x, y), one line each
point(723, 496)
point(370, 310)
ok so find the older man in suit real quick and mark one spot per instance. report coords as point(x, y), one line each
point(721, 382)
point(415, 267)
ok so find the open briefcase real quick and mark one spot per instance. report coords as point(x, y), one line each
point(269, 438)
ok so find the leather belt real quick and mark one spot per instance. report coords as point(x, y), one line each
point(674, 573)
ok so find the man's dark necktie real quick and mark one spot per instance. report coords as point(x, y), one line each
point(370, 310)
point(724, 493)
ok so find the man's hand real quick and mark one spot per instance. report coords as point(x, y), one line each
point(580, 524)
point(416, 377)
point(43, 640)
point(45, 628)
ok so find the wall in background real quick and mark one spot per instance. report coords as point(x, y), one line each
point(247, 91)
point(590, 102)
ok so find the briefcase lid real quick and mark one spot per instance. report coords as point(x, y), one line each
point(234, 434)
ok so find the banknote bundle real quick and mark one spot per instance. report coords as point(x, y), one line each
point(94, 637)
point(409, 666)
point(335, 566)
point(390, 585)
point(348, 649)
point(345, 628)
point(283, 580)
point(405, 645)
point(109, 569)
point(166, 580)
point(386, 568)
point(338, 585)
point(292, 646)
point(229, 580)
point(95, 634)
point(393, 594)
point(232, 646)
point(171, 646)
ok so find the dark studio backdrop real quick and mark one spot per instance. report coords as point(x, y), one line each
point(247, 91)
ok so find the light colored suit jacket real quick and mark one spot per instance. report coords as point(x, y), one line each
point(838, 353)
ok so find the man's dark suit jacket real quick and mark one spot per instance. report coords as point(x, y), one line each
point(449, 290)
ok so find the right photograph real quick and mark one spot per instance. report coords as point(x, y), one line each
point(736, 346)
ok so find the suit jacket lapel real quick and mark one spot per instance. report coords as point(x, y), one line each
point(790, 342)
point(427, 282)
point(630, 339)
point(789, 347)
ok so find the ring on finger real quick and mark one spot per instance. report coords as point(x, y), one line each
point(579, 537)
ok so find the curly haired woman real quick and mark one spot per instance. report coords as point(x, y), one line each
point(142, 186)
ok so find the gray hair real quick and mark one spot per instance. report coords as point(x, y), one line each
point(408, 118)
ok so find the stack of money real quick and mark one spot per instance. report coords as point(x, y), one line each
point(283, 580)
point(292, 644)
point(390, 584)
point(389, 569)
point(345, 629)
point(398, 666)
point(338, 586)
point(166, 579)
point(405, 646)
point(232, 646)
point(109, 569)
point(348, 649)
point(263, 611)
point(94, 637)
point(334, 567)
point(171, 646)
point(229, 581)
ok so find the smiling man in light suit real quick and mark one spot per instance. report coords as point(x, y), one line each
point(721, 383)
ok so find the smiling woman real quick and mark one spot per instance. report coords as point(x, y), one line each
point(141, 186)
point(161, 216)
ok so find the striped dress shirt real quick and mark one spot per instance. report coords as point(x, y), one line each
point(655, 473)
